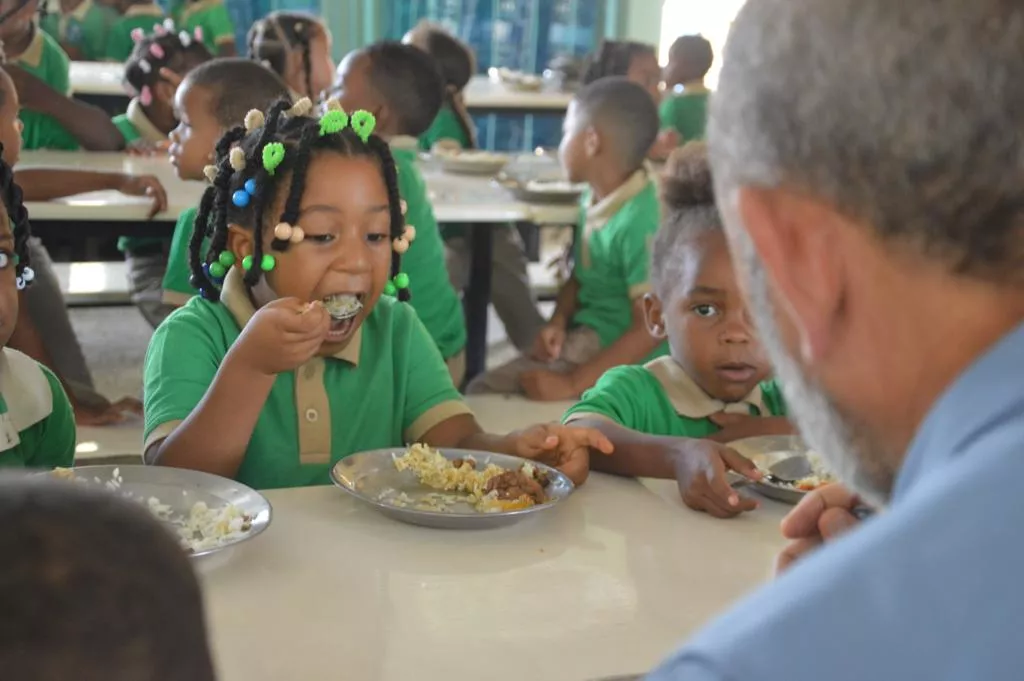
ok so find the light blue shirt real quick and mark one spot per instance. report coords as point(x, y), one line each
point(930, 590)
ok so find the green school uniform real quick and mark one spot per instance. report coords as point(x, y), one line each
point(433, 297)
point(389, 386)
point(213, 17)
point(177, 289)
point(446, 126)
point(134, 125)
point(85, 28)
point(662, 399)
point(45, 60)
point(613, 258)
point(687, 113)
point(37, 426)
point(120, 44)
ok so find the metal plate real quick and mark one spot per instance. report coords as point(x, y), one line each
point(180, 489)
point(370, 475)
point(473, 163)
point(765, 452)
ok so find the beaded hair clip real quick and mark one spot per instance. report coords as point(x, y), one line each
point(156, 51)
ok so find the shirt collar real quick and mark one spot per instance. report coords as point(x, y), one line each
point(610, 205)
point(150, 10)
point(235, 297)
point(137, 117)
point(689, 399)
point(989, 391)
point(33, 54)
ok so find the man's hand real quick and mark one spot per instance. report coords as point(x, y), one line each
point(822, 515)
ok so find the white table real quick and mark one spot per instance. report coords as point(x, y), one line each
point(98, 78)
point(608, 584)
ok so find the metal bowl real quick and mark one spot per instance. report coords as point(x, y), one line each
point(180, 489)
point(765, 452)
point(520, 188)
point(372, 478)
point(472, 163)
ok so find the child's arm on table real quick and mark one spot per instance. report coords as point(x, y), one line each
point(739, 426)
point(548, 345)
point(47, 184)
point(698, 466)
point(280, 337)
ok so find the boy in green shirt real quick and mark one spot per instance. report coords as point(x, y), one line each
point(142, 15)
point(689, 61)
point(211, 19)
point(81, 27)
point(666, 417)
point(403, 87)
point(598, 322)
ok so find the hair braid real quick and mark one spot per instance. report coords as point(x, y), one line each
point(199, 279)
point(307, 66)
point(387, 163)
point(17, 214)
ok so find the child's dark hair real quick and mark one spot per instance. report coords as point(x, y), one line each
point(625, 112)
point(688, 212)
point(236, 86)
point(695, 52)
point(272, 38)
point(613, 57)
point(457, 64)
point(94, 589)
point(179, 51)
point(409, 80)
point(17, 216)
point(301, 138)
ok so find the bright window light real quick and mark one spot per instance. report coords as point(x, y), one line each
point(710, 18)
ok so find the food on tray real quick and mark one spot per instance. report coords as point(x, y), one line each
point(202, 529)
point(820, 476)
point(491, 490)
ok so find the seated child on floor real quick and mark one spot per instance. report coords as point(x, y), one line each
point(211, 21)
point(81, 28)
point(686, 112)
point(453, 127)
point(37, 428)
point(41, 71)
point(297, 47)
point(301, 349)
point(598, 322)
point(404, 89)
point(715, 383)
point(211, 100)
point(94, 589)
point(144, 15)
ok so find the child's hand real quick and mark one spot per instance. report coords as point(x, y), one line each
point(562, 447)
point(740, 426)
point(145, 185)
point(701, 467)
point(282, 336)
point(143, 148)
point(547, 347)
point(547, 386)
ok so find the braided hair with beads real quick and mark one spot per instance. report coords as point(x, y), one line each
point(17, 216)
point(292, 139)
point(179, 51)
point(272, 38)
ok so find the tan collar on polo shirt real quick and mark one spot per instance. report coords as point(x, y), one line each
point(137, 117)
point(78, 13)
point(150, 10)
point(689, 399)
point(27, 393)
point(601, 212)
point(404, 142)
point(33, 54)
point(312, 406)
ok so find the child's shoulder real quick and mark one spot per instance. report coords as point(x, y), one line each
point(29, 388)
point(197, 325)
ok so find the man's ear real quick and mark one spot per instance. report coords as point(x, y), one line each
point(797, 242)
point(654, 317)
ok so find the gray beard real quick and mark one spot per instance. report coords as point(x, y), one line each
point(845, 445)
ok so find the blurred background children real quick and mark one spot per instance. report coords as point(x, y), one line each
point(143, 15)
point(686, 102)
point(297, 47)
point(210, 20)
point(81, 27)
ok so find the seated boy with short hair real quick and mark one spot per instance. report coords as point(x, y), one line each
point(664, 418)
point(94, 589)
point(598, 322)
point(403, 87)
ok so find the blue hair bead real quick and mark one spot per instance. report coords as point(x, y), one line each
point(240, 198)
point(250, 186)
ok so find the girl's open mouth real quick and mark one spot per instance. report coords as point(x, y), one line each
point(343, 309)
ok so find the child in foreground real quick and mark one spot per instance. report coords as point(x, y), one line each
point(211, 100)
point(94, 589)
point(686, 112)
point(598, 322)
point(300, 350)
point(37, 428)
point(404, 89)
point(297, 47)
point(453, 127)
point(665, 418)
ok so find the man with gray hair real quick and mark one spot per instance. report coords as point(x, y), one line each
point(869, 161)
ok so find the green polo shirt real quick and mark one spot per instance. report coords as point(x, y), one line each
point(661, 399)
point(433, 297)
point(389, 386)
point(687, 114)
point(37, 426)
point(213, 17)
point(85, 28)
point(446, 126)
point(613, 257)
point(45, 60)
point(120, 44)
point(135, 125)
point(177, 289)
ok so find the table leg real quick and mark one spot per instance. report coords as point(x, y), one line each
point(477, 298)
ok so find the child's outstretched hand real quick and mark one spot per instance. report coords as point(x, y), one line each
point(282, 336)
point(562, 447)
point(701, 467)
point(145, 185)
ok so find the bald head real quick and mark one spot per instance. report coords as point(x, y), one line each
point(905, 115)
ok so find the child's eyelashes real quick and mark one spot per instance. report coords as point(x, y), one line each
point(320, 238)
point(705, 310)
point(376, 238)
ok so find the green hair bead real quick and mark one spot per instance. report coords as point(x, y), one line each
point(217, 270)
point(332, 122)
point(402, 280)
point(267, 262)
point(247, 263)
point(363, 123)
point(390, 290)
point(226, 258)
point(273, 156)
